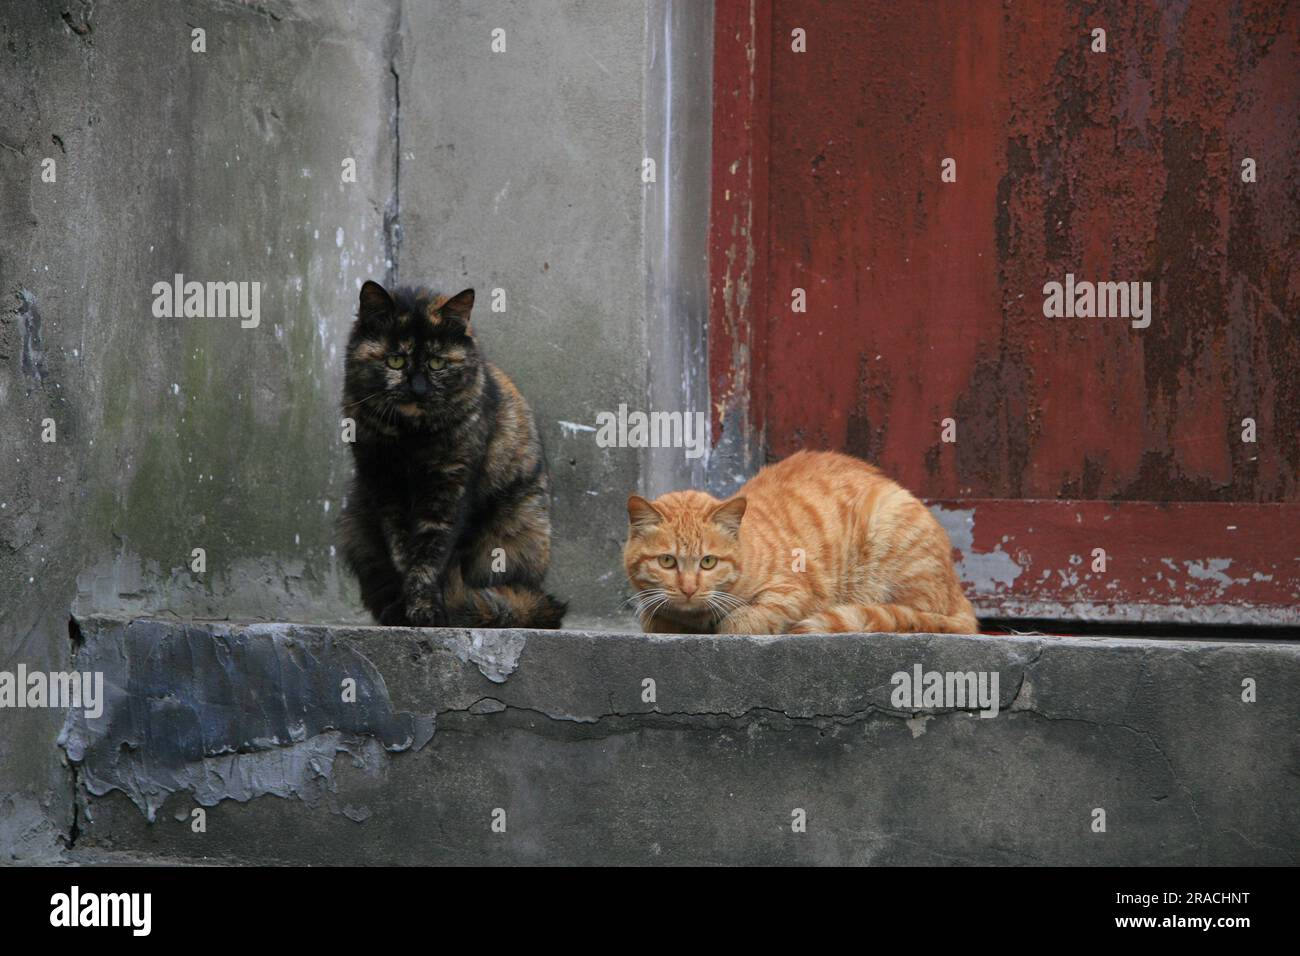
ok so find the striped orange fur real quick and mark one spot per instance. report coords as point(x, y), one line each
point(819, 542)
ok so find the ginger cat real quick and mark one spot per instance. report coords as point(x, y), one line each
point(875, 559)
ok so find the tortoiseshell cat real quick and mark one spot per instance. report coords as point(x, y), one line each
point(448, 521)
point(819, 542)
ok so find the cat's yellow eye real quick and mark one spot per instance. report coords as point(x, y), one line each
point(667, 561)
point(437, 362)
point(396, 361)
point(708, 561)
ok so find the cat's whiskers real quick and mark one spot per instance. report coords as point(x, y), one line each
point(388, 413)
point(644, 594)
point(361, 401)
point(722, 603)
point(648, 602)
point(726, 599)
point(648, 613)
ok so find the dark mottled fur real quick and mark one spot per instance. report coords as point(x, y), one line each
point(449, 467)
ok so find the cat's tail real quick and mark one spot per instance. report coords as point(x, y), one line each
point(507, 606)
point(887, 618)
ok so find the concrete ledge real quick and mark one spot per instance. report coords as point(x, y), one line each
point(451, 729)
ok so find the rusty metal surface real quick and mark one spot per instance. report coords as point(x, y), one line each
point(1188, 562)
point(925, 298)
point(738, 229)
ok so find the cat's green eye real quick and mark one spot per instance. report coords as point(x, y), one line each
point(708, 561)
point(437, 362)
point(667, 561)
point(396, 361)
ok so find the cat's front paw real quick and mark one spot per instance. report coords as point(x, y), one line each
point(750, 620)
point(394, 615)
point(426, 611)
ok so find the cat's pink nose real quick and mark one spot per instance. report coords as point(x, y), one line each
point(687, 592)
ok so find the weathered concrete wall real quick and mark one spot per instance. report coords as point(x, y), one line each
point(679, 137)
point(517, 170)
point(521, 172)
point(554, 730)
point(174, 434)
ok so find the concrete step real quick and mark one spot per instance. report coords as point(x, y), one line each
point(502, 747)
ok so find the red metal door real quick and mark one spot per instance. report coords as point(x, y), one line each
point(925, 297)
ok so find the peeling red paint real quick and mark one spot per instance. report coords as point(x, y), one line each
point(738, 260)
point(1197, 562)
point(925, 298)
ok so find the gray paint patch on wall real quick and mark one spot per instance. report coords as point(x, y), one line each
point(985, 571)
point(33, 347)
point(496, 653)
point(229, 712)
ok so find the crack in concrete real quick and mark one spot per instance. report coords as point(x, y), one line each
point(1024, 679)
point(259, 10)
point(1155, 744)
point(687, 717)
point(1026, 706)
point(393, 211)
point(76, 640)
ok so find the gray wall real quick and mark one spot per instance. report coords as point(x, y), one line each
point(517, 171)
point(174, 434)
point(520, 171)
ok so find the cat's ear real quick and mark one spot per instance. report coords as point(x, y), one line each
point(641, 514)
point(728, 514)
point(375, 301)
point(456, 309)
